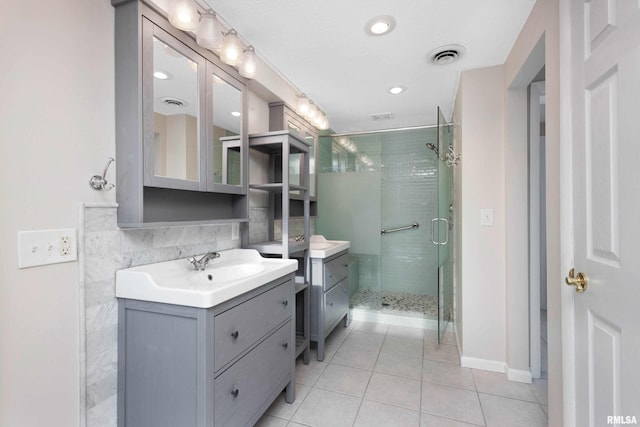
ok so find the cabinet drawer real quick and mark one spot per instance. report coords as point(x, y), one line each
point(245, 386)
point(238, 328)
point(336, 303)
point(335, 271)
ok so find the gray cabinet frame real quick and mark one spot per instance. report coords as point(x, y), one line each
point(145, 200)
point(179, 342)
point(280, 115)
point(279, 145)
point(322, 287)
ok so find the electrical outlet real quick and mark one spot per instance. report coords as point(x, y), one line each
point(65, 245)
point(235, 231)
point(42, 247)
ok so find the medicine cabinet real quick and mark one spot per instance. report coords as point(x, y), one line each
point(181, 128)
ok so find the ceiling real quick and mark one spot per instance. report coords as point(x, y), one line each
point(322, 48)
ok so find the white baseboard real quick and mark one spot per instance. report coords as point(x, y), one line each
point(519, 375)
point(483, 364)
point(365, 315)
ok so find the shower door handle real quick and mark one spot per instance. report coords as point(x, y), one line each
point(446, 230)
point(433, 237)
point(446, 234)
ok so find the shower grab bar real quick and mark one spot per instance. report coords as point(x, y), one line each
point(446, 229)
point(393, 230)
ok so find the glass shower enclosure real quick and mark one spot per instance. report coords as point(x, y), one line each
point(390, 196)
point(443, 224)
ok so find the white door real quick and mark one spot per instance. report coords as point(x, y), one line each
point(605, 119)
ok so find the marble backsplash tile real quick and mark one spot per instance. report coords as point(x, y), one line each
point(296, 227)
point(103, 249)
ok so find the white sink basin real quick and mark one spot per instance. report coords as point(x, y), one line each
point(225, 273)
point(323, 248)
point(237, 271)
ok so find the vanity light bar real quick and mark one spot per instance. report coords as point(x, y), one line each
point(210, 34)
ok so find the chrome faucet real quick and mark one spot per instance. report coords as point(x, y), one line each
point(200, 264)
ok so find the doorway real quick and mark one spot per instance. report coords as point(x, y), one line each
point(537, 230)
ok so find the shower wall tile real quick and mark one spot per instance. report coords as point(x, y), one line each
point(408, 194)
point(104, 249)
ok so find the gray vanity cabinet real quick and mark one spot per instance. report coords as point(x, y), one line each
point(195, 367)
point(329, 296)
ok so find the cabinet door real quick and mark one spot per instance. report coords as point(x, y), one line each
point(173, 78)
point(296, 161)
point(226, 132)
point(312, 138)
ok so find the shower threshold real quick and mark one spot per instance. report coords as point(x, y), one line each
point(395, 308)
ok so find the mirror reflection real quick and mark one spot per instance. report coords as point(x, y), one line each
point(311, 140)
point(175, 118)
point(227, 123)
point(295, 159)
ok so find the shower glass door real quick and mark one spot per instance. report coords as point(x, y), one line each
point(383, 181)
point(408, 261)
point(443, 226)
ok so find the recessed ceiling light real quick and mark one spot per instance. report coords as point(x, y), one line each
point(380, 25)
point(396, 90)
point(235, 114)
point(162, 75)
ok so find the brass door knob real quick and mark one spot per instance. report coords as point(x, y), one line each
point(580, 281)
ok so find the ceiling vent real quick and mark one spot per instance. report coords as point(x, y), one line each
point(381, 116)
point(174, 102)
point(445, 55)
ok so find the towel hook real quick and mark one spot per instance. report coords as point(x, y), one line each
point(98, 182)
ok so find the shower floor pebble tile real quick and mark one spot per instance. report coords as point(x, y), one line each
point(401, 302)
point(380, 376)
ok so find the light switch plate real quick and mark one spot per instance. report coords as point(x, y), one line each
point(42, 247)
point(486, 217)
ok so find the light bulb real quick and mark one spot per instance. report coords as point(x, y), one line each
point(317, 121)
point(231, 51)
point(380, 27)
point(209, 33)
point(311, 114)
point(324, 122)
point(303, 105)
point(249, 63)
point(183, 15)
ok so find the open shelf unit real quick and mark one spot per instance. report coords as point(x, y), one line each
point(285, 189)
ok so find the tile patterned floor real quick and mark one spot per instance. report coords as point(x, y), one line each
point(383, 375)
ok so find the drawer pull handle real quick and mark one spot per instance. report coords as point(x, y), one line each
point(235, 392)
point(285, 344)
point(235, 335)
point(285, 302)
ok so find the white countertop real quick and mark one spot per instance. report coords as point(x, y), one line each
point(323, 248)
point(236, 272)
